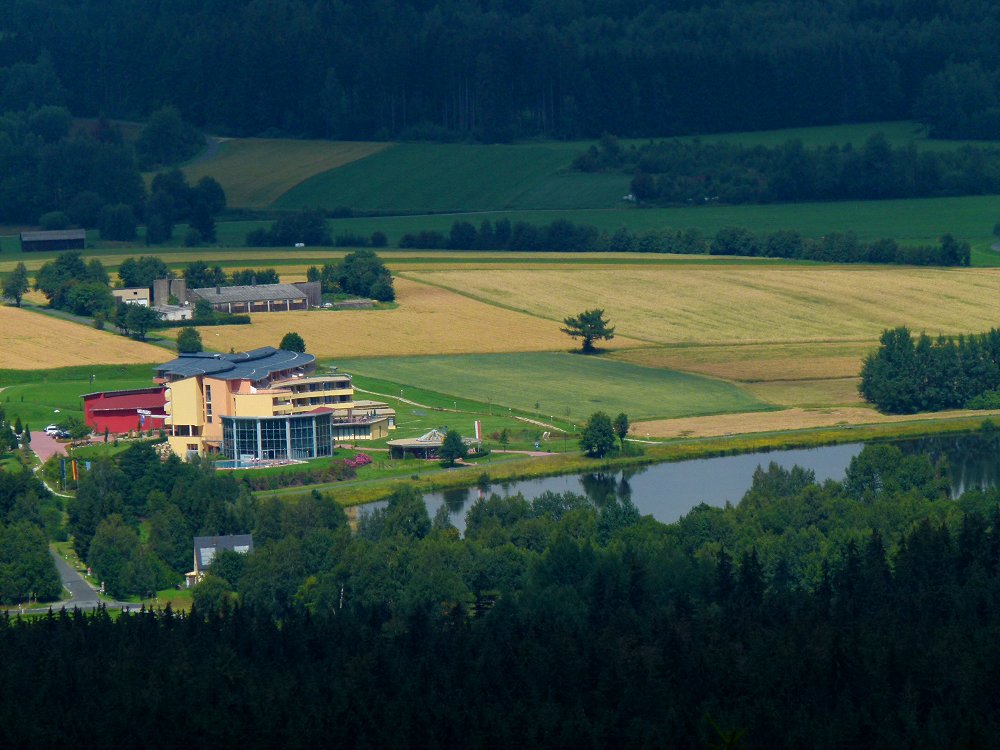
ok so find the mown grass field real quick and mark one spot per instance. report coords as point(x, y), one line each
point(428, 320)
point(31, 340)
point(742, 305)
point(564, 386)
point(35, 395)
point(255, 172)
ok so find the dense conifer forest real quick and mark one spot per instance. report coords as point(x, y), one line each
point(862, 613)
point(501, 69)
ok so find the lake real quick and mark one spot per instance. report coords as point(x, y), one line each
point(669, 490)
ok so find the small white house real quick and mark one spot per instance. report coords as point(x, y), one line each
point(138, 295)
point(174, 312)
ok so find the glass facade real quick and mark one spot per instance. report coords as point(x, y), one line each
point(296, 436)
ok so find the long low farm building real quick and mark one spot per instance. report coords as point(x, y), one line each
point(257, 298)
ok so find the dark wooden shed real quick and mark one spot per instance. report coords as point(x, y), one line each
point(62, 239)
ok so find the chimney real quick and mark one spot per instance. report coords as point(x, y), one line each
point(253, 280)
point(218, 290)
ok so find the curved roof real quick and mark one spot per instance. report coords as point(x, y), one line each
point(256, 364)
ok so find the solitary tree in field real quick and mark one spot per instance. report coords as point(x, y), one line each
point(590, 325)
point(15, 285)
point(292, 342)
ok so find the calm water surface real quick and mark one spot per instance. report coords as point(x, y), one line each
point(667, 491)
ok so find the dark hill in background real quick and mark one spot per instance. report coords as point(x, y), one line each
point(503, 69)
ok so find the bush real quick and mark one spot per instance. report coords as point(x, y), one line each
point(54, 220)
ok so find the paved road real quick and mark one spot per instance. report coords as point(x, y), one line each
point(82, 594)
point(46, 446)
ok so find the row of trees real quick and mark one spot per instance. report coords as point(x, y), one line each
point(502, 70)
point(563, 235)
point(685, 172)
point(906, 375)
point(806, 614)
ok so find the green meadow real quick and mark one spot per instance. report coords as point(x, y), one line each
point(423, 178)
point(561, 386)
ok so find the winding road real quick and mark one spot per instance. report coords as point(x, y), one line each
point(82, 594)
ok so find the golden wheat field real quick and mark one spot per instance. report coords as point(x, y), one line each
point(736, 304)
point(752, 363)
point(777, 421)
point(30, 340)
point(429, 320)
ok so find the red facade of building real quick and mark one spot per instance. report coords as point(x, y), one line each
point(124, 411)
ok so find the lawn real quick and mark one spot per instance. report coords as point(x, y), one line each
point(35, 395)
point(559, 385)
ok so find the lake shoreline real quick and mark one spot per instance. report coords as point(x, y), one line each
point(361, 492)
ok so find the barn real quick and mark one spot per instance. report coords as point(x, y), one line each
point(63, 239)
point(124, 411)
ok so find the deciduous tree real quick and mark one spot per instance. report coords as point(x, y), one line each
point(590, 325)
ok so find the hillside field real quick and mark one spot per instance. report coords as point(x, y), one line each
point(419, 177)
point(451, 177)
point(35, 396)
point(428, 320)
point(255, 172)
point(564, 386)
point(30, 340)
point(743, 305)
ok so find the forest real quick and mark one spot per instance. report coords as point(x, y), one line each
point(502, 69)
point(863, 613)
point(905, 376)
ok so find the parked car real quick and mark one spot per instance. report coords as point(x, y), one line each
point(63, 434)
point(52, 429)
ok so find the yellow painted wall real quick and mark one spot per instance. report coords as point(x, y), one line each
point(186, 406)
point(255, 404)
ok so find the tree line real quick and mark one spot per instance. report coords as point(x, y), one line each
point(563, 235)
point(906, 375)
point(807, 615)
point(686, 172)
point(503, 70)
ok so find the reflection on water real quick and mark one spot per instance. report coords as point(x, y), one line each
point(669, 490)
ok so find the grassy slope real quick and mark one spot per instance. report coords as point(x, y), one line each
point(565, 386)
point(35, 395)
point(255, 171)
point(446, 177)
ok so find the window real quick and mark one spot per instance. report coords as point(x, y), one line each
point(208, 393)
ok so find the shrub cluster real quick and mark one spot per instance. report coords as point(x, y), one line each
point(904, 376)
point(356, 462)
point(335, 471)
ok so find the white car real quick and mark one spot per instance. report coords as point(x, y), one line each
point(52, 429)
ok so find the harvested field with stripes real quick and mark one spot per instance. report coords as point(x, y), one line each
point(429, 320)
point(740, 305)
point(31, 340)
